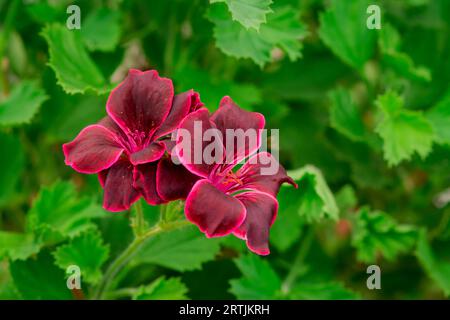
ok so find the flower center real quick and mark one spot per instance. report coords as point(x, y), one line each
point(139, 140)
point(231, 178)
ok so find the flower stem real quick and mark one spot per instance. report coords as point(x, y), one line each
point(139, 220)
point(299, 259)
point(122, 293)
point(162, 213)
point(121, 261)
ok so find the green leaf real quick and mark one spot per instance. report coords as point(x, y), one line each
point(322, 291)
point(181, 250)
point(437, 269)
point(40, 279)
point(163, 289)
point(45, 13)
point(234, 243)
point(343, 29)
point(283, 30)
point(306, 79)
point(403, 132)
point(83, 109)
point(87, 251)
point(17, 246)
point(58, 213)
point(377, 233)
point(315, 199)
point(400, 62)
point(11, 167)
point(258, 281)
point(345, 116)
point(439, 116)
point(236, 41)
point(249, 13)
point(8, 290)
point(101, 30)
point(212, 88)
point(22, 104)
point(287, 227)
point(75, 71)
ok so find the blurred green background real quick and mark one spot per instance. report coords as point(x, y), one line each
point(364, 119)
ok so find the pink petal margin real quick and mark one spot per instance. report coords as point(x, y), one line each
point(93, 150)
point(151, 153)
point(262, 210)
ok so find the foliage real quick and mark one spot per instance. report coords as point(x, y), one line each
point(364, 120)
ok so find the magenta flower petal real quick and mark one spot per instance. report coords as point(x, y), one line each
point(93, 150)
point(109, 124)
point(214, 212)
point(119, 193)
point(251, 177)
point(102, 177)
point(230, 116)
point(173, 181)
point(169, 145)
point(151, 153)
point(261, 209)
point(183, 103)
point(145, 182)
point(140, 103)
point(188, 156)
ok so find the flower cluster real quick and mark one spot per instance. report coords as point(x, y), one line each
point(132, 150)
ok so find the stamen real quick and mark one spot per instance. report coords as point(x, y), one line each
point(231, 177)
point(138, 139)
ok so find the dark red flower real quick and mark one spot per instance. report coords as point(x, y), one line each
point(128, 147)
point(241, 201)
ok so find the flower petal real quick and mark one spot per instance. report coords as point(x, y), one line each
point(183, 103)
point(152, 152)
point(102, 177)
point(141, 102)
point(119, 193)
point(191, 150)
point(93, 150)
point(261, 209)
point(214, 212)
point(246, 141)
point(263, 172)
point(173, 181)
point(109, 124)
point(169, 145)
point(145, 181)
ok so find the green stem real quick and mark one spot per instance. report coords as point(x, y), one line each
point(435, 232)
point(140, 34)
point(122, 293)
point(121, 261)
point(162, 213)
point(139, 220)
point(296, 266)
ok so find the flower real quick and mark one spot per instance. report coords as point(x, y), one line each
point(127, 148)
point(231, 200)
